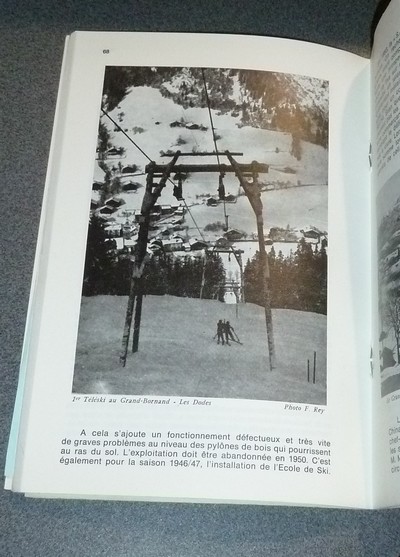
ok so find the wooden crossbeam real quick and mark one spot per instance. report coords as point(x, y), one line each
point(203, 154)
point(254, 167)
point(227, 250)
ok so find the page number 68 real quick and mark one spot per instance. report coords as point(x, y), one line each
point(106, 51)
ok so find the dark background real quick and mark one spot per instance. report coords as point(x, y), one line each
point(31, 46)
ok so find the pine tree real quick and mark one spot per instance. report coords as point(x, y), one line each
point(100, 261)
point(296, 149)
point(253, 285)
point(214, 276)
point(298, 281)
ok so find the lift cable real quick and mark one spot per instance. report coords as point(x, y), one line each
point(214, 140)
point(151, 160)
point(195, 223)
point(210, 115)
point(125, 134)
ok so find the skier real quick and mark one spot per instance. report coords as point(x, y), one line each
point(220, 332)
point(228, 332)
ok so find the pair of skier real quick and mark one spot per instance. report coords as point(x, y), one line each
point(225, 332)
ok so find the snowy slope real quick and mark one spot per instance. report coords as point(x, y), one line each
point(178, 356)
point(144, 108)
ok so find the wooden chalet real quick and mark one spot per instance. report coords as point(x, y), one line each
point(233, 234)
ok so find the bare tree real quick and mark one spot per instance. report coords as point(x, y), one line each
point(392, 317)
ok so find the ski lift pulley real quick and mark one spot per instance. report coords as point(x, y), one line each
point(177, 192)
point(221, 187)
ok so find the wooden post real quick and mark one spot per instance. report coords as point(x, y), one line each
point(128, 321)
point(203, 275)
point(152, 193)
point(253, 194)
point(138, 316)
point(141, 249)
point(315, 362)
point(242, 295)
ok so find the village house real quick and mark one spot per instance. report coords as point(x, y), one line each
point(155, 214)
point(129, 244)
point(173, 244)
point(192, 126)
point(166, 232)
point(233, 235)
point(278, 234)
point(311, 234)
point(114, 202)
point(230, 198)
point(127, 184)
point(154, 249)
point(177, 124)
point(106, 218)
point(166, 209)
point(115, 151)
point(105, 210)
point(156, 242)
point(113, 230)
point(222, 242)
point(179, 236)
point(119, 243)
point(179, 211)
point(94, 205)
point(130, 169)
point(128, 229)
point(193, 245)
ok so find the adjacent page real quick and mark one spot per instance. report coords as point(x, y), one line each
point(180, 160)
point(25, 356)
point(385, 72)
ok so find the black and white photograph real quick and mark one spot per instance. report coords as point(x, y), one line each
point(206, 260)
point(388, 218)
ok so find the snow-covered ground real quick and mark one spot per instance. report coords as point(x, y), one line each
point(146, 110)
point(178, 354)
point(390, 380)
point(390, 371)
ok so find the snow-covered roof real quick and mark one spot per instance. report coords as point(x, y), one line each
point(98, 173)
point(113, 226)
point(119, 242)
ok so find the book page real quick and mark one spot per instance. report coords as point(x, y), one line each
point(385, 65)
point(198, 334)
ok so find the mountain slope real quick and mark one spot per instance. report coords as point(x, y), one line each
point(178, 355)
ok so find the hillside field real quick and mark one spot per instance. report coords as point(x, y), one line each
point(145, 109)
point(178, 355)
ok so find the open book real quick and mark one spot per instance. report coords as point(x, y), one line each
point(215, 310)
